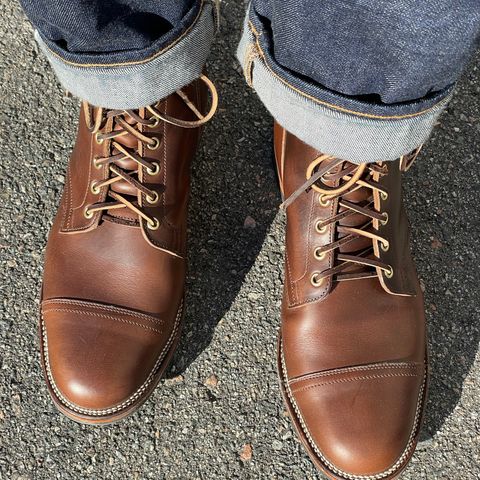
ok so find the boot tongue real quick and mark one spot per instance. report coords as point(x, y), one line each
point(360, 196)
point(122, 187)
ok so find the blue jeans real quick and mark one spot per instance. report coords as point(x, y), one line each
point(363, 80)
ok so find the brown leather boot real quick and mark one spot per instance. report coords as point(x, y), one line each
point(112, 297)
point(352, 346)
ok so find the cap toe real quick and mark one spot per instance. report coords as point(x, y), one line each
point(361, 422)
point(98, 358)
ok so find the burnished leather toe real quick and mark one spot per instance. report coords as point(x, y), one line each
point(360, 421)
point(99, 358)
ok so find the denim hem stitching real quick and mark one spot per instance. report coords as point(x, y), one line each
point(332, 106)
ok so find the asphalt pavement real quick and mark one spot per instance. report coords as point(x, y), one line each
point(219, 414)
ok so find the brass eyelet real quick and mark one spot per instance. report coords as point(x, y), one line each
point(87, 213)
point(315, 281)
point(154, 171)
point(385, 246)
point(97, 139)
point(389, 273)
point(318, 254)
point(153, 224)
point(320, 229)
point(384, 196)
point(155, 123)
point(98, 166)
point(156, 144)
point(324, 203)
point(384, 222)
point(152, 199)
point(94, 189)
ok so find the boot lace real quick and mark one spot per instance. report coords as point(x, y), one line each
point(127, 122)
point(327, 170)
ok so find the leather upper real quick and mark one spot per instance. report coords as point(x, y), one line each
point(113, 287)
point(352, 349)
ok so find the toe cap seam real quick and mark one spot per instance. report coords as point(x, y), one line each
point(354, 369)
point(353, 379)
point(102, 315)
point(99, 306)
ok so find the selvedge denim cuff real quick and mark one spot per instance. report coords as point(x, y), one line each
point(118, 81)
point(332, 123)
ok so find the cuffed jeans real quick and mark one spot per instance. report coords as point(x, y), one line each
point(363, 80)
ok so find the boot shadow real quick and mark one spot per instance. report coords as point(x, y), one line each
point(234, 199)
point(441, 193)
point(234, 178)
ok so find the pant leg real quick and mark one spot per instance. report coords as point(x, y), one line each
point(363, 80)
point(123, 53)
point(109, 26)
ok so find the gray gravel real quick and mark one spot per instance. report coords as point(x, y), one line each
point(197, 426)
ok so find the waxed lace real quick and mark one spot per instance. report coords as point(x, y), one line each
point(323, 170)
point(128, 122)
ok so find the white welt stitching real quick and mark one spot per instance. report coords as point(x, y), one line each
point(130, 399)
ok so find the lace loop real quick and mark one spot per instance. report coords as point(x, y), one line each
point(202, 119)
point(356, 173)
